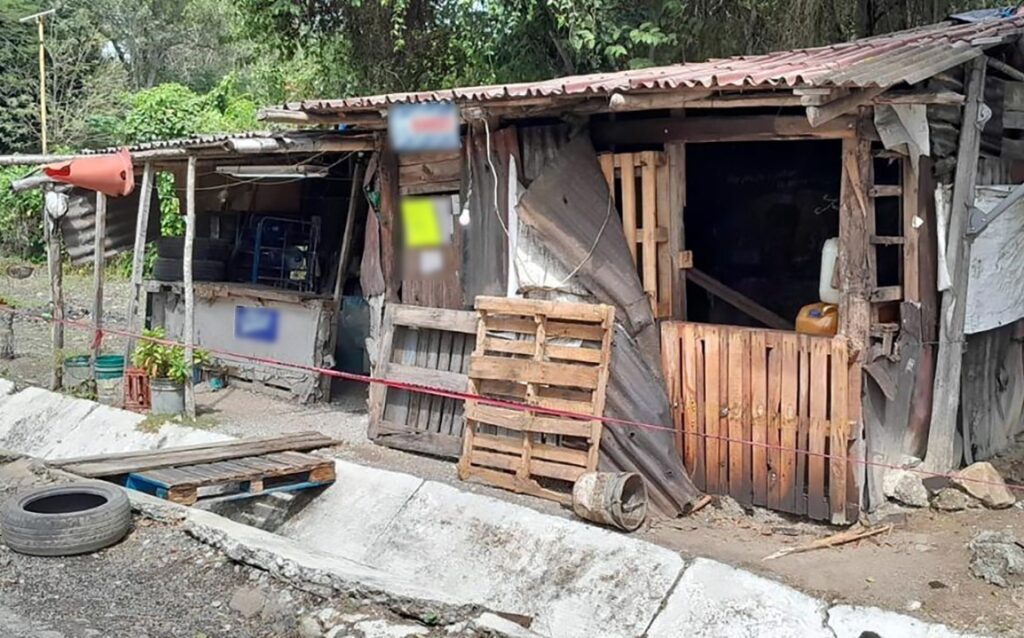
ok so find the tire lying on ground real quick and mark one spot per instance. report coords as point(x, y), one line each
point(68, 519)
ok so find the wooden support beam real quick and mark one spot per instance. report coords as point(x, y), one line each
point(921, 97)
point(718, 129)
point(354, 197)
point(819, 115)
point(137, 302)
point(624, 102)
point(941, 456)
point(55, 269)
point(1011, 72)
point(98, 267)
point(738, 300)
point(190, 293)
point(856, 210)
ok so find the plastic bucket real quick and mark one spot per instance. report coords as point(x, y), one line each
point(109, 366)
point(76, 369)
point(616, 499)
point(166, 397)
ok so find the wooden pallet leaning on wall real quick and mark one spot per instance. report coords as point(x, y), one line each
point(423, 346)
point(639, 184)
point(761, 415)
point(548, 354)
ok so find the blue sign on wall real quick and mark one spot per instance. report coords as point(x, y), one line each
point(256, 324)
point(431, 126)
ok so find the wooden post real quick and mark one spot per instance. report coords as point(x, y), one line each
point(940, 456)
point(346, 238)
point(6, 332)
point(387, 178)
point(189, 332)
point(99, 263)
point(51, 231)
point(137, 308)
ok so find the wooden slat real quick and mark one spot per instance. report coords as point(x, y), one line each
point(803, 422)
point(774, 420)
point(738, 361)
point(560, 310)
point(128, 462)
point(648, 237)
point(817, 505)
point(690, 414)
point(541, 451)
point(608, 169)
point(712, 408)
point(520, 421)
point(789, 422)
point(527, 371)
point(556, 329)
point(758, 417)
point(886, 293)
point(463, 321)
point(552, 351)
point(671, 364)
point(426, 377)
point(839, 430)
point(628, 204)
point(701, 472)
point(911, 208)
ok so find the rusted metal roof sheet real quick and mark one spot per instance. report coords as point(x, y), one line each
point(193, 142)
point(881, 61)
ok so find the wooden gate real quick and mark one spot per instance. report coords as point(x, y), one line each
point(761, 415)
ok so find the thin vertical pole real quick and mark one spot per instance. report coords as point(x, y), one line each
point(51, 231)
point(42, 83)
point(137, 309)
point(99, 264)
point(190, 233)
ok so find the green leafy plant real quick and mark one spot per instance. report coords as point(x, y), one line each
point(164, 361)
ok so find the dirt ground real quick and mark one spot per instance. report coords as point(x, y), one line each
point(920, 568)
point(160, 583)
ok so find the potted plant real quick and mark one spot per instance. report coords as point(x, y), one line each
point(165, 366)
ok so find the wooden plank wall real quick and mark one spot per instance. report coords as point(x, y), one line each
point(641, 187)
point(761, 415)
point(422, 346)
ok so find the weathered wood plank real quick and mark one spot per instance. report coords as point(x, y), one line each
point(817, 503)
point(737, 364)
point(627, 207)
point(758, 417)
point(789, 422)
point(712, 408)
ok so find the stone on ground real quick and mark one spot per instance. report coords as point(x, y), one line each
point(998, 558)
point(950, 499)
point(983, 482)
point(905, 487)
point(248, 601)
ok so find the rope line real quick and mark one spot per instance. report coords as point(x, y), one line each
point(501, 403)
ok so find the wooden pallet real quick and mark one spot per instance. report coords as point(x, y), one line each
point(423, 346)
point(548, 354)
point(756, 412)
point(234, 479)
point(124, 463)
point(639, 184)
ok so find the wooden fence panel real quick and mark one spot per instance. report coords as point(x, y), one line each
point(640, 185)
point(762, 415)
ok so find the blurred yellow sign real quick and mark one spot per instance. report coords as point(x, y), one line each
point(419, 220)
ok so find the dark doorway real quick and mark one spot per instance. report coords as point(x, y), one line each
point(757, 215)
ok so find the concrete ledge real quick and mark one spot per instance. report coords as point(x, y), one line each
point(847, 621)
point(717, 601)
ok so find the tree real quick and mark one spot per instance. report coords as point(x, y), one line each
point(18, 77)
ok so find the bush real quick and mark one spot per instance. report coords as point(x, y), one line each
point(164, 361)
point(21, 218)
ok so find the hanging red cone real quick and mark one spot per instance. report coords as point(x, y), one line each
point(111, 175)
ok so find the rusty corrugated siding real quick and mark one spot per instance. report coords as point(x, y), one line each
point(881, 61)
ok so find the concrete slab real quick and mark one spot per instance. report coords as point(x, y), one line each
point(350, 515)
point(35, 418)
point(848, 621)
point(50, 425)
point(573, 579)
point(6, 387)
point(714, 600)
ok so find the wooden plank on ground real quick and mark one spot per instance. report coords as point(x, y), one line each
point(126, 462)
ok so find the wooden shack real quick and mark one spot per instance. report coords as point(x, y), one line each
point(724, 180)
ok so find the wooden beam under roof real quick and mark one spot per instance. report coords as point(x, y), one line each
point(718, 129)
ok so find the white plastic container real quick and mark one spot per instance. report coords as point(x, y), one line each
point(829, 254)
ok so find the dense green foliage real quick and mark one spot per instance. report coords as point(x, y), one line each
point(122, 71)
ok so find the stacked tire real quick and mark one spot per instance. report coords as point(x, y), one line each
point(209, 259)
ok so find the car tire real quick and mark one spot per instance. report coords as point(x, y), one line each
point(66, 519)
point(202, 248)
point(167, 269)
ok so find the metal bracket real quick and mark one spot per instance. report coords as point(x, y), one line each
point(978, 219)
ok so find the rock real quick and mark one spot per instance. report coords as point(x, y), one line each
point(950, 499)
point(905, 487)
point(309, 627)
point(997, 558)
point(914, 605)
point(248, 601)
point(983, 482)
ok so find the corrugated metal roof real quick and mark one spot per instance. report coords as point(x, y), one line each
point(192, 142)
point(881, 61)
